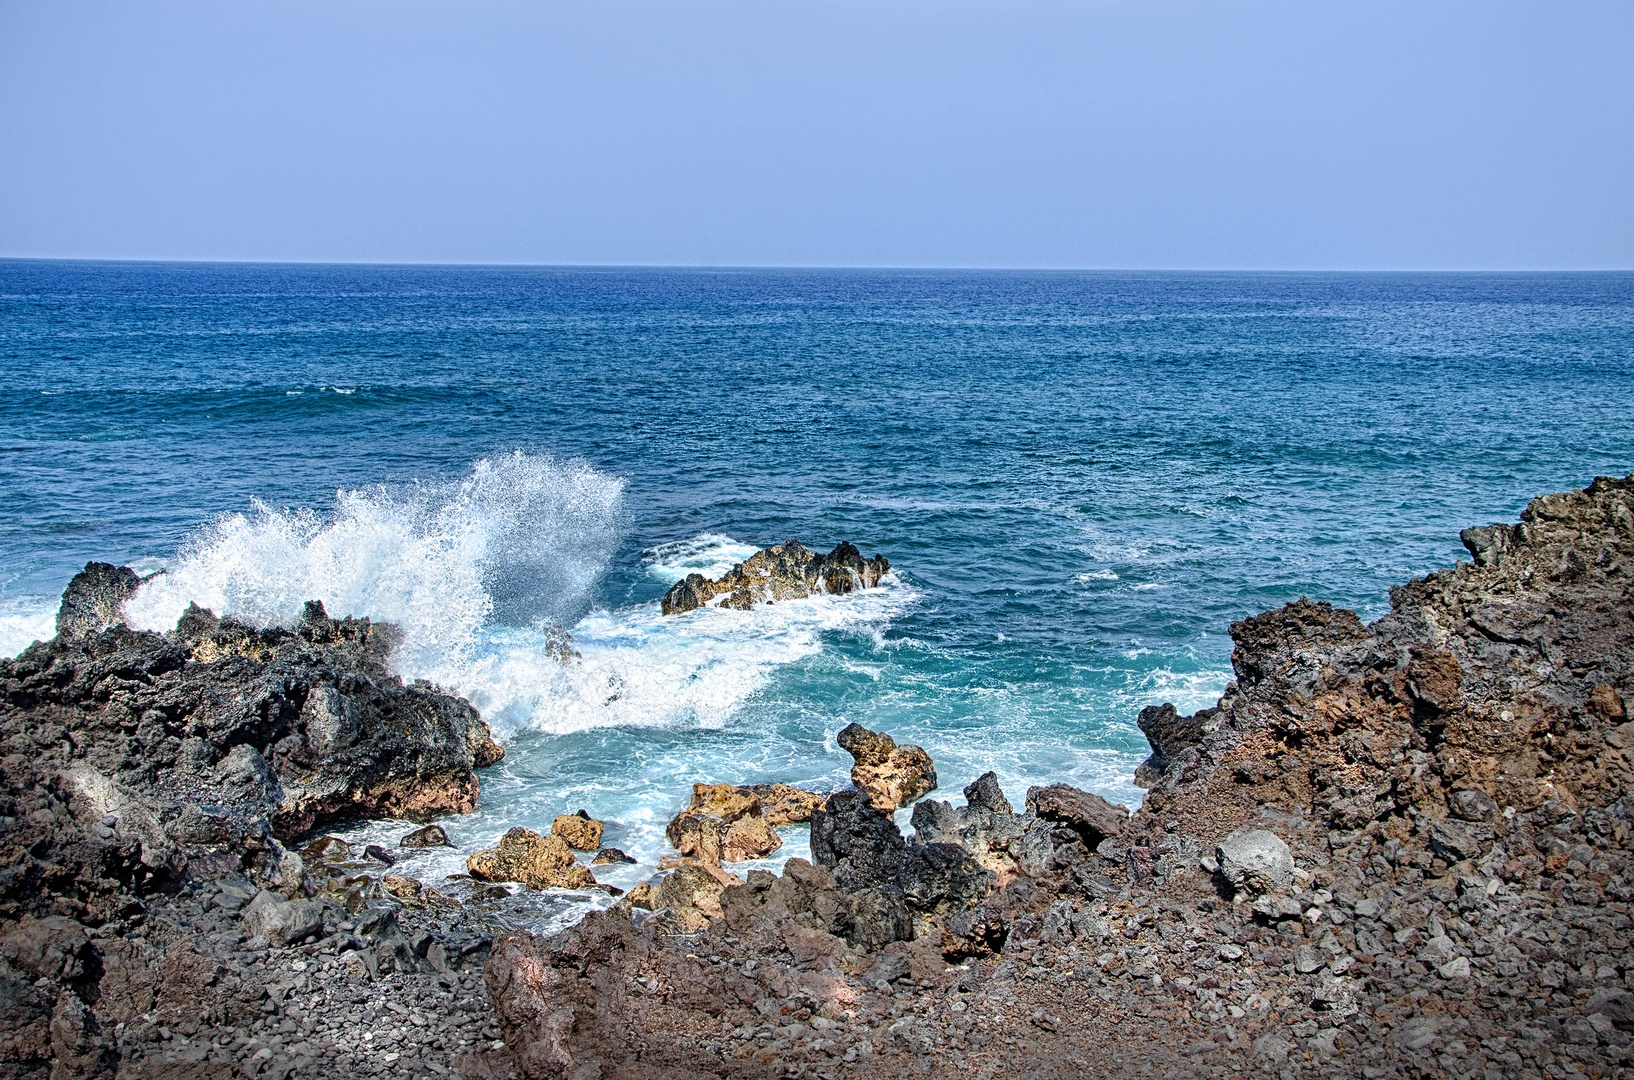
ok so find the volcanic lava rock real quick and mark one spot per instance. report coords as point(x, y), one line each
point(429, 837)
point(579, 831)
point(741, 832)
point(539, 862)
point(788, 571)
point(889, 774)
point(95, 600)
point(1090, 816)
point(1255, 861)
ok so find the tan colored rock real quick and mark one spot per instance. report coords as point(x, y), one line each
point(579, 831)
point(890, 775)
point(327, 849)
point(692, 895)
point(782, 804)
point(715, 840)
point(539, 862)
point(404, 888)
point(428, 837)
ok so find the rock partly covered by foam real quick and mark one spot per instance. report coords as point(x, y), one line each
point(891, 775)
point(789, 571)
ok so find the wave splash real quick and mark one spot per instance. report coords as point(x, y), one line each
point(481, 572)
point(522, 540)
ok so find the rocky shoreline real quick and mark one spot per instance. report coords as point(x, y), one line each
point(1398, 849)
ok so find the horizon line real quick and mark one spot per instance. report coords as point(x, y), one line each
point(885, 267)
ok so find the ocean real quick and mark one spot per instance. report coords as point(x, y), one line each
point(1080, 480)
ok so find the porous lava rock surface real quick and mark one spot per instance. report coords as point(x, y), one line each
point(159, 916)
point(1451, 787)
point(890, 775)
point(788, 571)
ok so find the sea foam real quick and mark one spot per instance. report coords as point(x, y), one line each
point(522, 540)
point(482, 573)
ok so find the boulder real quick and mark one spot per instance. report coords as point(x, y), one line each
point(1090, 816)
point(865, 850)
point(788, 571)
point(579, 831)
point(1255, 861)
point(539, 862)
point(428, 837)
point(692, 895)
point(609, 855)
point(281, 921)
point(327, 849)
point(95, 600)
point(715, 840)
point(890, 775)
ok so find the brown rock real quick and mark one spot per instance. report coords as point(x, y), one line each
point(692, 895)
point(428, 837)
point(1092, 817)
point(608, 855)
point(715, 840)
point(579, 831)
point(889, 774)
point(788, 571)
point(539, 862)
point(404, 888)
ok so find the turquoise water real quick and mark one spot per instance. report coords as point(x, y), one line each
point(1081, 479)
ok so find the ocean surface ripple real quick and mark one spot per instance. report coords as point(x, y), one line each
point(1080, 478)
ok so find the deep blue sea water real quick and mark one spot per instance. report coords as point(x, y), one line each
point(1081, 479)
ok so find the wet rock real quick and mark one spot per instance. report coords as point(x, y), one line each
point(610, 855)
point(380, 855)
point(711, 839)
point(539, 862)
point(328, 849)
point(891, 775)
point(579, 831)
point(788, 571)
point(429, 837)
point(1255, 861)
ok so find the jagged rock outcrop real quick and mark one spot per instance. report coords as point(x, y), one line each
point(736, 832)
point(1394, 849)
point(889, 774)
point(217, 741)
point(579, 831)
point(781, 804)
point(150, 910)
point(789, 571)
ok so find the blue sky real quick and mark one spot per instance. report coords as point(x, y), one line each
point(1160, 133)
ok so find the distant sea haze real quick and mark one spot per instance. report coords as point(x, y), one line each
point(1080, 480)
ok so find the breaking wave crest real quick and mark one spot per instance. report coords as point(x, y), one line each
point(481, 574)
point(521, 540)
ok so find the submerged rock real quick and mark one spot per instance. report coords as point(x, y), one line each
point(891, 775)
point(788, 571)
point(539, 862)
